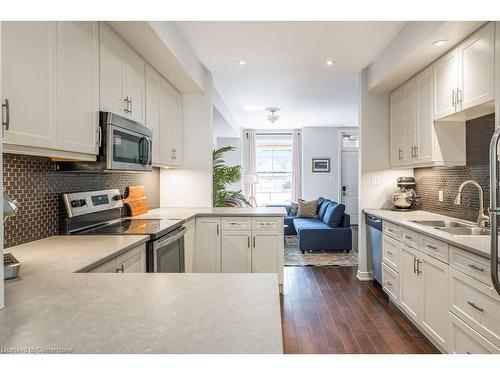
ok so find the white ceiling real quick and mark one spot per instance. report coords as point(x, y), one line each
point(285, 67)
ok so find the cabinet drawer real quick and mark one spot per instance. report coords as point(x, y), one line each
point(236, 223)
point(470, 264)
point(390, 252)
point(464, 340)
point(390, 229)
point(409, 237)
point(476, 304)
point(434, 248)
point(261, 223)
point(390, 281)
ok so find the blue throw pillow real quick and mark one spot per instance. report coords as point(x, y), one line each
point(323, 207)
point(333, 215)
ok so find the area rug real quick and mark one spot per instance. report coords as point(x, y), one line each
point(293, 256)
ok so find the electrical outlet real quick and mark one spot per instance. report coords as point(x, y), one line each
point(440, 196)
point(375, 181)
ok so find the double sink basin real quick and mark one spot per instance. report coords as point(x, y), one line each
point(455, 228)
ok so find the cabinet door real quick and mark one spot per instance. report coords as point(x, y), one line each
point(236, 252)
point(397, 126)
point(265, 251)
point(112, 71)
point(28, 82)
point(425, 120)
point(409, 282)
point(410, 121)
point(172, 148)
point(207, 248)
point(135, 85)
point(153, 109)
point(189, 246)
point(445, 85)
point(477, 68)
point(136, 263)
point(434, 302)
point(77, 86)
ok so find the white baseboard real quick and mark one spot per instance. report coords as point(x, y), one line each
point(364, 276)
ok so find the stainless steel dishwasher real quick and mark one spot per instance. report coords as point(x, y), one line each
point(374, 245)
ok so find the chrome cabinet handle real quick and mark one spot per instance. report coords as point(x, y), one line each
point(419, 269)
point(414, 265)
point(474, 267)
point(389, 252)
point(125, 101)
point(453, 99)
point(459, 96)
point(129, 103)
point(254, 241)
point(416, 151)
point(431, 247)
point(388, 282)
point(475, 306)
point(217, 229)
point(248, 241)
point(6, 123)
point(120, 270)
point(400, 155)
point(407, 237)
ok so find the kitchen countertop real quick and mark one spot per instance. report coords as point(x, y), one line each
point(191, 213)
point(53, 307)
point(479, 245)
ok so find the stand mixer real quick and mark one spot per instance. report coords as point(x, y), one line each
point(406, 199)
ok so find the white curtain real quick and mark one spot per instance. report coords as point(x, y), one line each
point(297, 165)
point(249, 169)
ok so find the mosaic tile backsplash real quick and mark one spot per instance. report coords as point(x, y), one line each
point(38, 189)
point(431, 180)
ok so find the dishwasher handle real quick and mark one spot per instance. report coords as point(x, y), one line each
point(374, 222)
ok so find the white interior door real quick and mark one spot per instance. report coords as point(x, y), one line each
point(350, 184)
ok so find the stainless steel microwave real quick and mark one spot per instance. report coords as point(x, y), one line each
point(124, 145)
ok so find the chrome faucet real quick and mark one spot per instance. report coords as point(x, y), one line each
point(483, 219)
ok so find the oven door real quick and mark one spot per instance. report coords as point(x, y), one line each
point(128, 150)
point(168, 253)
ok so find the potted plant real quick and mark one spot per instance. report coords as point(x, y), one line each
point(224, 175)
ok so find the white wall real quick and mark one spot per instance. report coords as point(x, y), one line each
point(191, 185)
point(320, 142)
point(375, 161)
point(233, 157)
point(1, 186)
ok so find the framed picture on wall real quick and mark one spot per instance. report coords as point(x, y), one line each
point(321, 165)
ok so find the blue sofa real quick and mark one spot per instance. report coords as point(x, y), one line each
point(319, 233)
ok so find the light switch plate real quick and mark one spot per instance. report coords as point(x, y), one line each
point(375, 181)
point(440, 196)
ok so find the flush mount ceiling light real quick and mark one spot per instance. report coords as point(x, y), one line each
point(241, 62)
point(330, 62)
point(272, 116)
point(440, 42)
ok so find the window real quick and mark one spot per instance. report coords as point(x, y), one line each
point(350, 141)
point(274, 167)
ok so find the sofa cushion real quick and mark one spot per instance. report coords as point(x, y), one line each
point(323, 207)
point(308, 223)
point(308, 209)
point(334, 214)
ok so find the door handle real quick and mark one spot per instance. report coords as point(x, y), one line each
point(6, 123)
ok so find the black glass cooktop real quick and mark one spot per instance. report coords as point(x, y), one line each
point(154, 227)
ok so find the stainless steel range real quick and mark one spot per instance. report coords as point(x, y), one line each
point(100, 212)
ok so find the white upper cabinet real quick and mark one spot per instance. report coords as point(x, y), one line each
point(122, 77)
point(153, 109)
point(446, 85)
point(477, 73)
point(397, 124)
point(77, 86)
point(410, 121)
point(425, 123)
point(172, 114)
point(29, 83)
point(465, 78)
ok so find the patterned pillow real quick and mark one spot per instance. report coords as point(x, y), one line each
point(307, 209)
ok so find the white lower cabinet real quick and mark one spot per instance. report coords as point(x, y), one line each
point(132, 261)
point(410, 289)
point(240, 245)
point(464, 340)
point(189, 244)
point(236, 252)
point(207, 253)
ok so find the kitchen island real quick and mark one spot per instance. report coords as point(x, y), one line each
point(53, 308)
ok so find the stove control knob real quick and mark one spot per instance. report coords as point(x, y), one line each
point(78, 203)
point(118, 197)
point(83, 202)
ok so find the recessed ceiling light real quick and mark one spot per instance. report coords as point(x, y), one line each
point(330, 62)
point(241, 62)
point(253, 108)
point(439, 43)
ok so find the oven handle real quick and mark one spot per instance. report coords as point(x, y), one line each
point(161, 243)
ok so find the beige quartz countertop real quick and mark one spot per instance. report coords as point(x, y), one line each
point(52, 307)
point(190, 213)
point(479, 245)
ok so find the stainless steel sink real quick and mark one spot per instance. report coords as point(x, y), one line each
point(440, 223)
point(454, 227)
point(466, 231)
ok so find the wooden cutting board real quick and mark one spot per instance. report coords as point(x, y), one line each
point(136, 201)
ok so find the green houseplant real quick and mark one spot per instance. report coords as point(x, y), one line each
point(224, 175)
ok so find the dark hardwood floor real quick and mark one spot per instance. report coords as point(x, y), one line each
point(328, 310)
